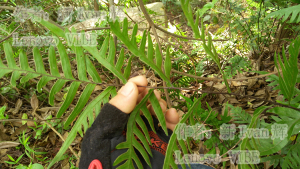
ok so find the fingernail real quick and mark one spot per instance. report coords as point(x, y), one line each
point(127, 89)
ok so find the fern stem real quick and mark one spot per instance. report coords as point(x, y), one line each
point(26, 71)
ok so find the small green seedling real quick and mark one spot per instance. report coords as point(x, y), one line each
point(28, 150)
point(2, 116)
point(13, 160)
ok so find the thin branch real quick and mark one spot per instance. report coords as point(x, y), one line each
point(220, 80)
point(183, 37)
point(161, 29)
point(151, 24)
point(234, 94)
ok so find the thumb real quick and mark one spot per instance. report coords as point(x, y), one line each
point(126, 98)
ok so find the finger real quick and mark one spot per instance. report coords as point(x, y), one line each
point(172, 118)
point(164, 103)
point(142, 95)
point(140, 81)
point(126, 98)
point(145, 92)
point(163, 106)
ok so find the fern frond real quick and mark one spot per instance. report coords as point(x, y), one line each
point(85, 117)
point(285, 13)
point(274, 160)
point(208, 46)
point(140, 52)
point(131, 143)
point(272, 145)
point(292, 159)
point(84, 67)
point(175, 140)
point(288, 79)
point(236, 64)
point(239, 115)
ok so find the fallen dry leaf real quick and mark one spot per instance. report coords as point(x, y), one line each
point(65, 164)
point(260, 92)
point(221, 98)
point(232, 100)
point(250, 93)
point(8, 144)
point(98, 87)
point(34, 102)
point(236, 83)
point(251, 83)
point(52, 137)
point(18, 106)
point(65, 136)
point(220, 86)
point(20, 130)
point(257, 104)
point(30, 124)
point(46, 109)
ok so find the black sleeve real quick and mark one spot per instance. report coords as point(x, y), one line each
point(96, 142)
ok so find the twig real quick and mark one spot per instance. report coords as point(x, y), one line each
point(220, 80)
point(161, 29)
point(151, 24)
point(234, 94)
point(183, 37)
point(5, 19)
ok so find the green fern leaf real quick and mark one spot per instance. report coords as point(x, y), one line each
point(168, 64)
point(85, 66)
point(130, 154)
point(56, 88)
point(143, 42)
point(158, 57)
point(70, 96)
point(25, 66)
point(172, 145)
point(112, 51)
point(81, 64)
point(128, 68)
point(148, 116)
point(11, 63)
point(132, 46)
point(83, 99)
point(52, 62)
point(288, 79)
point(285, 13)
point(292, 159)
point(150, 48)
point(158, 112)
point(65, 62)
point(134, 32)
point(239, 115)
point(82, 120)
point(92, 71)
point(120, 60)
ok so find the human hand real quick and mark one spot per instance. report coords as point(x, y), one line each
point(130, 95)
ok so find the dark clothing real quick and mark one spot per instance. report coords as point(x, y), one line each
point(107, 132)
